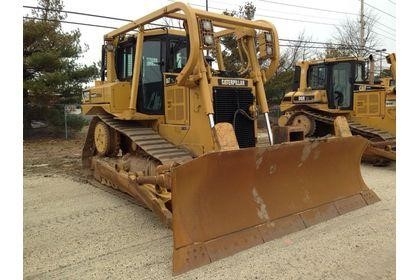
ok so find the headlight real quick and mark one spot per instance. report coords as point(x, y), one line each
point(208, 40)
point(109, 47)
point(265, 45)
point(207, 25)
point(268, 37)
point(207, 33)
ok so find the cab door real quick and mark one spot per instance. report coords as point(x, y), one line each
point(340, 93)
point(151, 99)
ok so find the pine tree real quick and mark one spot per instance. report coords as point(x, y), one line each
point(230, 52)
point(51, 72)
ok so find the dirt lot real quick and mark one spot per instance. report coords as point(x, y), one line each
point(74, 230)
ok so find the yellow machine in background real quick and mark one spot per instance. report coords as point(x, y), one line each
point(325, 89)
point(179, 134)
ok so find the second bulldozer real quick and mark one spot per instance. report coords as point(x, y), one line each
point(331, 87)
point(179, 134)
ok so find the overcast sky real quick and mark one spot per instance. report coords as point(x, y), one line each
point(289, 19)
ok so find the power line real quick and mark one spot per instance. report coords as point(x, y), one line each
point(308, 47)
point(93, 25)
point(387, 32)
point(391, 2)
point(373, 7)
point(393, 29)
point(320, 47)
point(310, 8)
point(93, 15)
point(392, 39)
point(341, 46)
point(77, 13)
point(276, 17)
point(279, 12)
point(72, 22)
point(290, 19)
point(127, 20)
point(315, 42)
point(298, 20)
point(304, 15)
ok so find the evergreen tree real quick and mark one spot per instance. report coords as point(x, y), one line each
point(51, 72)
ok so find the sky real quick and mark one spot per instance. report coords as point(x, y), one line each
point(289, 17)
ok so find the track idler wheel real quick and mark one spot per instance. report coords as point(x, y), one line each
point(302, 120)
point(106, 140)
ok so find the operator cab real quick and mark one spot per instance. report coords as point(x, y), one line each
point(338, 78)
point(161, 53)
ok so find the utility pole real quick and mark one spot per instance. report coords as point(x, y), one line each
point(362, 25)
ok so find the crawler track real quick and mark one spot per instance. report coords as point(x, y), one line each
point(149, 141)
point(370, 133)
point(135, 173)
point(383, 144)
point(145, 137)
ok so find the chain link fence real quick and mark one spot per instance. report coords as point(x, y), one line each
point(58, 120)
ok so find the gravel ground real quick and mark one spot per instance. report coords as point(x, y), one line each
point(73, 230)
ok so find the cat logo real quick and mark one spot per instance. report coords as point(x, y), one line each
point(233, 82)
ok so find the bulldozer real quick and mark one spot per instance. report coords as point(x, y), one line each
point(175, 127)
point(327, 88)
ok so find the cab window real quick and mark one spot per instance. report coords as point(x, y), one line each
point(177, 55)
point(317, 77)
point(125, 60)
point(296, 79)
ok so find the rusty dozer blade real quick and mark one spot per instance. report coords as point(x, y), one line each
point(225, 202)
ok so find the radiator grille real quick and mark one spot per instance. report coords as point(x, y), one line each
point(226, 102)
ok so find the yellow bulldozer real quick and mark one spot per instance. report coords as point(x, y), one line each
point(176, 128)
point(327, 88)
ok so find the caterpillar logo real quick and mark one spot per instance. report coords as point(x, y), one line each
point(233, 82)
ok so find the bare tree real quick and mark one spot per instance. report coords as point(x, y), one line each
point(347, 38)
point(290, 53)
point(299, 49)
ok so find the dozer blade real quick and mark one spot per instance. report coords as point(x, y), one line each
point(225, 202)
